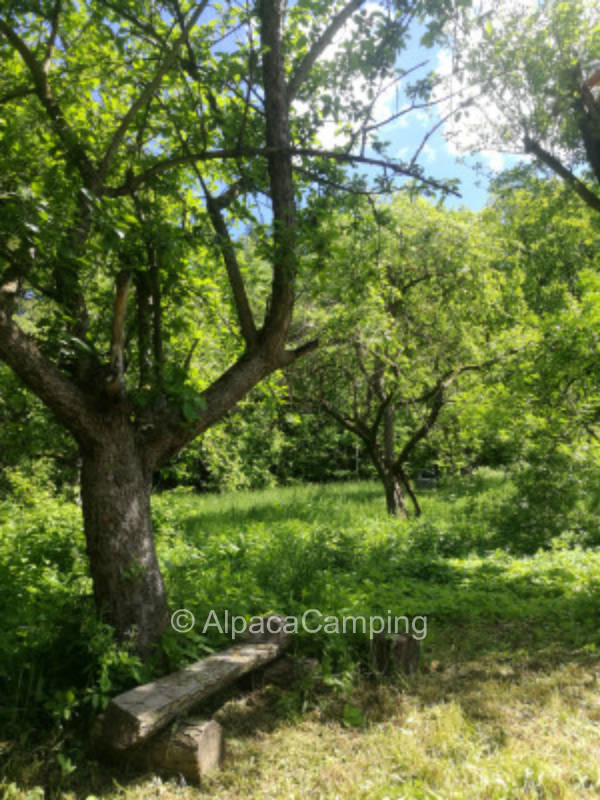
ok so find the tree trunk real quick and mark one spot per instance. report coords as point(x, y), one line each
point(394, 496)
point(411, 494)
point(115, 495)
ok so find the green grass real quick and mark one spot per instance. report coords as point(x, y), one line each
point(505, 705)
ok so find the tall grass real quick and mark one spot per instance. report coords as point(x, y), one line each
point(494, 608)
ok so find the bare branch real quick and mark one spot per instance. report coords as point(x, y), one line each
point(436, 127)
point(135, 182)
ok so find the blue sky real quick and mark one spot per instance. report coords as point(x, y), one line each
point(439, 157)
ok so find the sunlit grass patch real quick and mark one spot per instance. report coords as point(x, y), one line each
point(455, 733)
point(505, 705)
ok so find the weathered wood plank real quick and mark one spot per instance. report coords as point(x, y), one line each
point(135, 715)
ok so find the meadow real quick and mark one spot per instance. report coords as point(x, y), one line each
point(505, 703)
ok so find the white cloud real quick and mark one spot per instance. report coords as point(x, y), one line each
point(429, 153)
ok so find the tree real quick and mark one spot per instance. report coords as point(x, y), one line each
point(542, 413)
point(137, 138)
point(528, 77)
point(416, 306)
point(553, 243)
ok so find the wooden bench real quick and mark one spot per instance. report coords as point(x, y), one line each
point(133, 727)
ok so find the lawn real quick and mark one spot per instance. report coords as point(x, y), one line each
point(505, 704)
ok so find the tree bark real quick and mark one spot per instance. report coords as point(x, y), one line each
point(394, 495)
point(115, 494)
point(411, 494)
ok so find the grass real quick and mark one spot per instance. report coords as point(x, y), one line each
point(506, 704)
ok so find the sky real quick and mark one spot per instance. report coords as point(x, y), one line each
point(454, 150)
point(439, 157)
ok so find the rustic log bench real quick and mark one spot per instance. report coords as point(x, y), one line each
point(132, 730)
point(145, 726)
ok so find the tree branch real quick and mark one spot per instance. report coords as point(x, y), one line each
point(423, 430)
point(46, 381)
point(279, 164)
point(290, 356)
point(240, 298)
point(53, 34)
point(16, 94)
point(225, 244)
point(556, 166)
point(303, 69)
point(354, 426)
point(135, 182)
point(146, 95)
point(188, 358)
point(437, 393)
point(115, 385)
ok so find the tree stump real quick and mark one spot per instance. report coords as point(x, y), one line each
point(191, 748)
point(394, 653)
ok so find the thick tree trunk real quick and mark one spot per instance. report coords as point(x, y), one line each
point(115, 494)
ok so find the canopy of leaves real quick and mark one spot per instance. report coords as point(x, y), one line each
point(418, 298)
